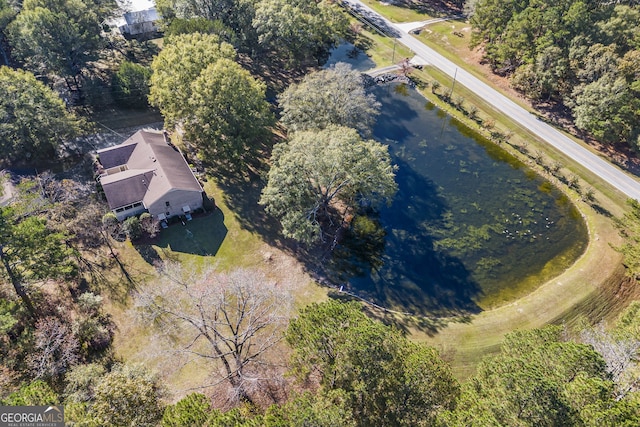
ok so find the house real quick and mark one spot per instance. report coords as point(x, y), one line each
point(148, 173)
point(140, 24)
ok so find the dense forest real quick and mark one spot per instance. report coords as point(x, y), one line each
point(237, 79)
point(582, 54)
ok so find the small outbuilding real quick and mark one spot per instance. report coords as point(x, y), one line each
point(140, 24)
point(148, 173)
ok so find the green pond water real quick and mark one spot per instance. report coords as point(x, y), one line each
point(470, 228)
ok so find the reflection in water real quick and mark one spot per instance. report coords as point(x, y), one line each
point(349, 54)
point(470, 226)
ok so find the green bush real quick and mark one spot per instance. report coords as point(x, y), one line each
point(109, 220)
point(130, 85)
point(132, 228)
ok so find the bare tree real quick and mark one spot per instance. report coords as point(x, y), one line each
point(56, 348)
point(405, 67)
point(231, 319)
point(621, 356)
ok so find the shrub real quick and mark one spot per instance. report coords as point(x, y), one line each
point(132, 228)
point(130, 85)
point(149, 225)
point(109, 220)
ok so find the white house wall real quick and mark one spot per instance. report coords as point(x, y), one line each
point(129, 212)
point(177, 199)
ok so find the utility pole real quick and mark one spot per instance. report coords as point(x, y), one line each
point(393, 55)
point(454, 82)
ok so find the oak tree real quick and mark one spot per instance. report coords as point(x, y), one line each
point(34, 122)
point(319, 176)
point(335, 96)
point(59, 37)
point(177, 66)
point(299, 32)
point(229, 117)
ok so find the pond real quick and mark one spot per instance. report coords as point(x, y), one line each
point(349, 54)
point(470, 228)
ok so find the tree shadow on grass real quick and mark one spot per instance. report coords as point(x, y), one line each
point(431, 284)
point(242, 196)
point(203, 235)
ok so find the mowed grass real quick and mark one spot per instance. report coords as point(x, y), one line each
point(594, 288)
point(589, 288)
point(216, 239)
point(384, 51)
point(397, 13)
point(563, 299)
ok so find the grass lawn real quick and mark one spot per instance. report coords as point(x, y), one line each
point(594, 287)
point(382, 50)
point(216, 238)
point(401, 14)
point(239, 234)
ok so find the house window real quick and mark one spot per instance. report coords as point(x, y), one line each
point(119, 210)
point(167, 203)
point(137, 204)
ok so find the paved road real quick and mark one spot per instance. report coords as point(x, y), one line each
point(605, 170)
point(410, 26)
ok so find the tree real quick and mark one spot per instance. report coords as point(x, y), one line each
point(609, 109)
point(132, 228)
point(35, 393)
point(232, 319)
point(317, 177)
point(300, 32)
point(190, 411)
point(56, 349)
point(221, 107)
point(177, 66)
point(130, 85)
point(7, 14)
point(31, 252)
point(567, 52)
point(59, 36)
point(129, 395)
point(620, 354)
point(150, 226)
point(234, 15)
point(388, 380)
point(34, 122)
point(318, 410)
point(629, 228)
point(81, 382)
point(201, 25)
point(539, 380)
point(335, 96)
point(229, 114)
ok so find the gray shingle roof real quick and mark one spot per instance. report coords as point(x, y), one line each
point(116, 156)
point(140, 16)
point(153, 168)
